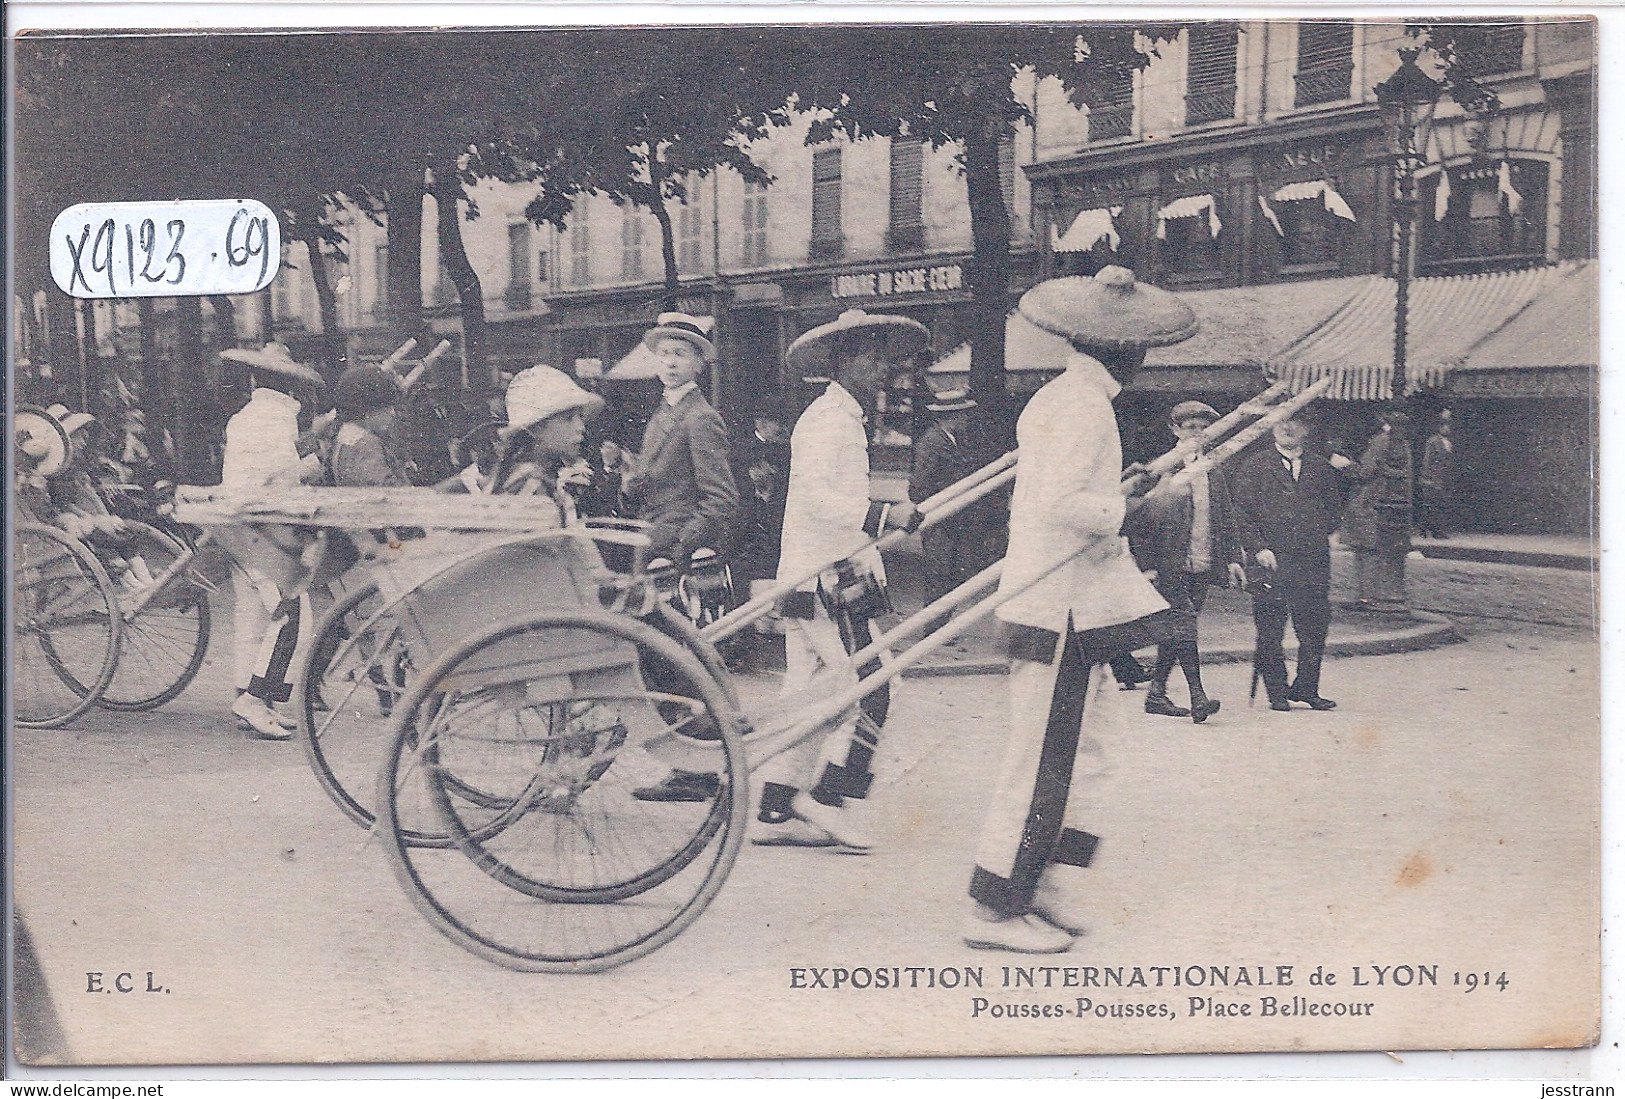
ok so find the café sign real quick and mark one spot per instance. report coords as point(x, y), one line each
point(896, 283)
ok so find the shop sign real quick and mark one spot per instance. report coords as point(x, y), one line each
point(1187, 174)
point(895, 283)
point(1296, 159)
point(1102, 187)
point(1532, 383)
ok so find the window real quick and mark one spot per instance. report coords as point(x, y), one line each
point(544, 267)
point(1007, 173)
point(1210, 73)
point(1188, 229)
point(1113, 116)
point(1311, 236)
point(905, 231)
point(827, 242)
point(580, 253)
point(519, 284)
point(1325, 62)
point(1483, 214)
point(631, 242)
point(690, 234)
point(1486, 49)
point(445, 291)
point(380, 280)
point(753, 218)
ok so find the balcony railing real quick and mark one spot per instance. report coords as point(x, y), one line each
point(1210, 104)
point(1323, 85)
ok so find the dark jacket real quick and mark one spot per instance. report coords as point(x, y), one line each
point(682, 482)
point(1159, 533)
point(1292, 519)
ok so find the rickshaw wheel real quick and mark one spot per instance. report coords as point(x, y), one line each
point(354, 676)
point(162, 647)
point(574, 874)
point(65, 630)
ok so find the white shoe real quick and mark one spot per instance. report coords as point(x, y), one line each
point(1022, 934)
point(794, 832)
point(262, 720)
point(1052, 906)
point(851, 839)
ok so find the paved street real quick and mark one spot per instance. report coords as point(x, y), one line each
point(1443, 815)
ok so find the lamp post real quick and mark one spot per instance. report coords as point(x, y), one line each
point(1379, 518)
point(1406, 102)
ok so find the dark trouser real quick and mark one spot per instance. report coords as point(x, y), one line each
point(1188, 594)
point(1311, 613)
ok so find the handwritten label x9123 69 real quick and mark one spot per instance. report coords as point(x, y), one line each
point(165, 249)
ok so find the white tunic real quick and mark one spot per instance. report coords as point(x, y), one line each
point(262, 443)
point(827, 500)
point(1067, 504)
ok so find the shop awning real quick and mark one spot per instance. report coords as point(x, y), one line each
point(1448, 316)
point(1249, 326)
point(1089, 228)
point(1191, 206)
point(1322, 189)
point(1558, 329)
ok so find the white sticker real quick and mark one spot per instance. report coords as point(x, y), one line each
point(165, 249)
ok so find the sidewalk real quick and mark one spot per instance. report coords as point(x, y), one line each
point(1227, 627)
point(1552, 551)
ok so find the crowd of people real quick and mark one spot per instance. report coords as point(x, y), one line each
point(1089, 579)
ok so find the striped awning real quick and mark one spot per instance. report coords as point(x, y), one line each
point(1559, 329)
point(1448, 316)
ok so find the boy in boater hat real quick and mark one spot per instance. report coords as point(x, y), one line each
point(682, 482)
point(1067, 506)
point(828, 515)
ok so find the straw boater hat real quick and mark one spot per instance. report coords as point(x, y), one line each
point(682, 326)
point(951, 400)
point(273, 358)
point(72, 422)
point(1109, 311)
point(1190, 410)
point(543, 391)
point(904, 338)
point(42, 438)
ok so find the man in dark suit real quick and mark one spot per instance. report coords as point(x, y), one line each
point(681, 482)
point(1288, 502)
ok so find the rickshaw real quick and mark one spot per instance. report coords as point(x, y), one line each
point(117, 620)
point(506, 693)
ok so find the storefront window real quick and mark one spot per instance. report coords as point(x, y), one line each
point(1310, 235)
point(1484, 214)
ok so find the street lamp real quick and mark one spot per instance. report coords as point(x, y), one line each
point(1380, 517)
point(1406, 102)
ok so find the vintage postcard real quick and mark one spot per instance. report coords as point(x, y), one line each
point(954, 539)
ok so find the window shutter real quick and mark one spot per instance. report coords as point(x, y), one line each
point(906, 231)
point(826, 204)
point(1325, 62)
point(1210, 83)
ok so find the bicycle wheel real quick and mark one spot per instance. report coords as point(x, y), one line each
point(65, 636)
point(571, 873)
point(163, 644)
